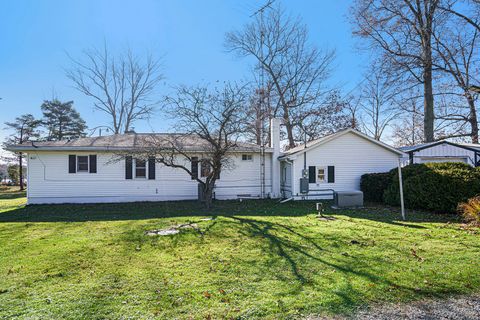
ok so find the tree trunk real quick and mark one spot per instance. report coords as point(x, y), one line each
point(20, 170)
point(473, 118)
point(208, 192)
point(429, 116)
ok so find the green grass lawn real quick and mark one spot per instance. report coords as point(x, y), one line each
point(254, 259)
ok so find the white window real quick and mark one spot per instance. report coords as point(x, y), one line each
point(321, 174)
point(82, 163)
point(140, 168)
point(247, 157)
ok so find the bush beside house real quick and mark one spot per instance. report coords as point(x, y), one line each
point(437, 187)
point(374, 185)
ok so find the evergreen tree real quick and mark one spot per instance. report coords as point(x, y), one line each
point(62, 121)
point(24, 128)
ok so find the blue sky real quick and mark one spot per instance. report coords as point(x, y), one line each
point(35, 37)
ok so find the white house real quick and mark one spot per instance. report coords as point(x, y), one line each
point(334, 163)
point(82, 170)
point(442, 151)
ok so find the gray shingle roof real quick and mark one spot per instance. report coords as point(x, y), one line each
point(129, 141)
point(434, 143)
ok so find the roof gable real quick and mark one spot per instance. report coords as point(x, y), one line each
point(318, 142)
point(468, 146)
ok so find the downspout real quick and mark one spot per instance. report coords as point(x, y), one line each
point(305, 152)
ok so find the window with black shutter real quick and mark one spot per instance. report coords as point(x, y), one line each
point(72, 163)
point(93, 163)
point(311, 175)
point(321, 174)
point(331, 174)
point(128, 167)
point(151, 168)
point(194, 168)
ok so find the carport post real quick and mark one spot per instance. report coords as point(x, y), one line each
point(401, 187)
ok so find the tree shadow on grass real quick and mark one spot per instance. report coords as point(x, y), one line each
point(392, 215)
point(301, 252)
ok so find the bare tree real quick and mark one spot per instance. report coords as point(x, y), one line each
point(466, 10)
point(377, 101)
point(402, 32)
point(457, 56)
point(123, 87)
point(335, 113)
point(257, 114)
point(409, 130)
point(211, 125)
point(452, 113)
point(296, 70)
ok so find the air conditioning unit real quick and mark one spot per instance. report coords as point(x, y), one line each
point(345, 199)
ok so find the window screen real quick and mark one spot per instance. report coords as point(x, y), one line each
point(82, 163)
point(140, 168)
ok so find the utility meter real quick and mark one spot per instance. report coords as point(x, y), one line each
point(304, 173)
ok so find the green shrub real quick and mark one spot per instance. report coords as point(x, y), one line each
point(374, 185)
point(470, 210)
point(438, 187)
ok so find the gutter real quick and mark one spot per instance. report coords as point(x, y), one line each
point(106, 149)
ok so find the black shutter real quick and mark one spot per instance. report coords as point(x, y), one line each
point(312, 178)
point(151, 168)
point(217, 174)
point(194, 168)
point(93, 163)
point(128, 167)
point(331, 174)
point(72, 163)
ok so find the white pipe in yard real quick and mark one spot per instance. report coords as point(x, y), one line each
point(402, 205)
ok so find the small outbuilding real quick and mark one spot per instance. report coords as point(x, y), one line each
point(442, 151)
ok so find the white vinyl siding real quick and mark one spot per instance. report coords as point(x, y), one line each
point(351, 155)
point(49, 181)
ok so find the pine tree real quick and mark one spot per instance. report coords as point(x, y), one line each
point(62, 120)
point(24, 128)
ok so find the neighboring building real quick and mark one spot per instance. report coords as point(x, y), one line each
point(442, 151)
point(82, 170)
point(335, 163)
